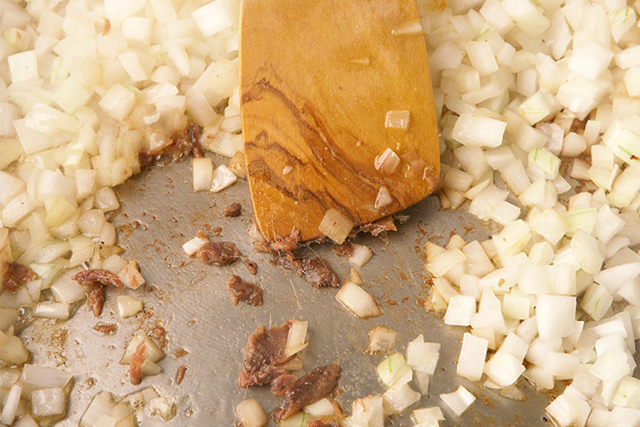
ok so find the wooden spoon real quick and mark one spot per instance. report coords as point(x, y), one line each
point(318, 80)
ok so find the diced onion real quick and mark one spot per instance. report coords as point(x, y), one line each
point(423, 356)
point(202, 173)
point(428, 416)
point(48, 402)
point(458, 401)
point(11, 403)
point(387, 162)
point(394, 370)
point(358, 301)
point(397, 119)
point(361, 255)
point(398, 398)
point(53, 310)
point(130, 275)
point(472, 357)
point(335, 225)
point(296, 338)
point(128, 306)
point(153, 354)
point(101, 405)
point(366, 412)
point(223, 177)
point(381, 339)
point(320, 408)
point(249, 413)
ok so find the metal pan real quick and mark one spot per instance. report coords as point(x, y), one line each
point(189, 300)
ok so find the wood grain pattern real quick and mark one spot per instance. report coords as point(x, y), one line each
point(317, 79)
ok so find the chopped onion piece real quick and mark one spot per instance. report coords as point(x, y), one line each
point(428, 416)
point(249, 413)
point(130, 275)
point(192, 246)
point(387, 162)
point(223, 177)
point(555, 315)
point(423, 356)
point(335, 225)
point(398, 398)
point(503, 369)
point(475, 130)
point(52, 310)
point(394, 370)
point(366, 412)
point(128, 306)
point(408, 29)
point(381, 340)
point(458, 401)
point(48, 402)
point(296, 339)
point(361, 255)
point(358, 301)
point(101, 405)
point(66, 290)
point(11, 403)
point(460, 310)
point(397, 119)
point(154, 352)
point(320, 408)
point(202, 173)
point(472, 357)
point(383, 198)
point(106, 200)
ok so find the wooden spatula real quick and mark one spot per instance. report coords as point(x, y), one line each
point(327, 87)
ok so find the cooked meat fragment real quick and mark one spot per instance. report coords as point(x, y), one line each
point(343, 250)
point(137, 360)
point(218, 253)
point(181, 352)
point(251, 266)
point(316, 271)
point(95, 299)
point(281, 384)
point(96, 276)
point(106, 328)
point(264, 355)
point(310, 388)
point(287, 243)
point(16, 276)
point(239, 290)
point(180, 375)
point(377, 227)
point(233, 210)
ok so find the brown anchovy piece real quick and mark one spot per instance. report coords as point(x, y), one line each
point(97, 276)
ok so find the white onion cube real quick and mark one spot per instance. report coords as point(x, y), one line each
point(202, 173)
point(222, 178)
point(555, 315)
point(478, 131)
point(118, 101)
point(460, 310)
point(458, 401)
point(213, 17)
point(472, 357)
point(23, 66)
point(48, 402)
point(423, 356)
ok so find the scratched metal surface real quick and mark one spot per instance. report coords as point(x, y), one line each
point(159, 213)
